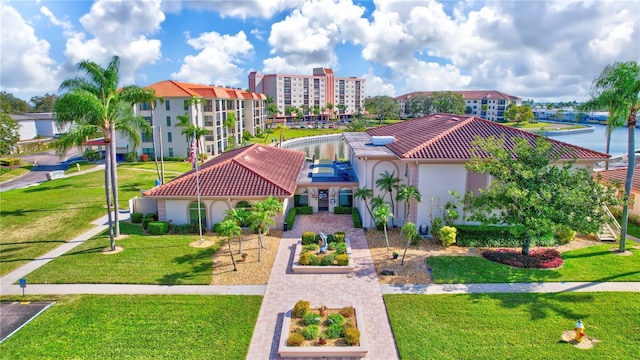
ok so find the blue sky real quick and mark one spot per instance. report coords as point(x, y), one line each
point(541, 50)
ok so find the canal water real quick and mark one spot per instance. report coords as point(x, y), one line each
point(597, 140)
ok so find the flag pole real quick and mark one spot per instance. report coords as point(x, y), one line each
point(195, 164)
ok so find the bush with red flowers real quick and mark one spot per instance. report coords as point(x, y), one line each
point(538, 258)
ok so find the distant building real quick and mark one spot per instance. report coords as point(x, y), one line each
point(216, 104)
point(346, 94)
point(37, 125)
point(487, 104)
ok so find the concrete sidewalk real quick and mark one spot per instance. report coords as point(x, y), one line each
point(133, 289)
point(549, 287)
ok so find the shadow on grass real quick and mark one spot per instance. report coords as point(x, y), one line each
point(541, 306)
point(200, 265)
point(47, 188)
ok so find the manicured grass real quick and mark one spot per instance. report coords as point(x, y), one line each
point(84, 165)
point(139, 327)
point(514, 326)
point(633, 229)
point(38, 219)
point(7, 173)
point(173, 167)
point(594, 263)
point(161, 260)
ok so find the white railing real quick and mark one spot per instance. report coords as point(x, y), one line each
point(310, 140)
point(612, 219)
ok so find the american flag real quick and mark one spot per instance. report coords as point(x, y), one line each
point(192, 154)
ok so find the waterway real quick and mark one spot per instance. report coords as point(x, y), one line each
point(597, 140)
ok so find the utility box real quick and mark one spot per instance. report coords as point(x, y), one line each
point(58, 174)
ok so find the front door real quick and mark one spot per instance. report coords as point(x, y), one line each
point(323, 200)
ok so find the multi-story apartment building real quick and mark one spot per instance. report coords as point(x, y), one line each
point(323, 87)
point(487, 104)
point(212, 106)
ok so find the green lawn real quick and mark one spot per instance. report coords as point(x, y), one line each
point(84, 165)
point(161, 260)
point(170, 167)
point(38, 219)
point(514, 326)
point(594, 263)
point(7, 173)
point(139, 327)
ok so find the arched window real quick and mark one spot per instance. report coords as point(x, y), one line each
point(345, 198)
point(193, 214)
point(301, 199)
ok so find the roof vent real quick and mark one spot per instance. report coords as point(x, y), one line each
point(455, 119)
point(382, 140)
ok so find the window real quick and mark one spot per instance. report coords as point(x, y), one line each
point(345, 198)
point(167, 106)
point(198, 212)
point(147, 137)
point(169, 137)
point(171, 152)
point(168, 120)
point(186, 104)
point(302, 199)
point(148, 151)
point(145, 106)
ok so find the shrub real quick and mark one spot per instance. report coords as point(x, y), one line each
point(317, 238)
point(415, 240)
point(305, 258)
point(158, 227)
point(563, 234)
point(295, 339)
point(339, 236)
point(91, 155)
point(136, 218)
point(333, 331)
point(436, 225)
point(342, 210)
point(311, 319)
point(447, 235)
point(151, 216)
point(311, 332)
point(352, 336)
point(357, 220)
point(348, 311)
point(342, 259)
point(214, 228)
point(341, 248)
point(337, 319)
point(327, 260)
point(131, 156)
point(310, 247)
point(144, 157)
point(304, 210)
point(538, 258)
point(315, 260)
point(332, 246)
point(308, 237)
point(184, 229)
point(291, 218)
point(300, 308)
point(495, 236)
point(10, 161)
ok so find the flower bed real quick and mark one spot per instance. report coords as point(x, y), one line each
point(307, 260)
point(538, 258)
point(322, 332)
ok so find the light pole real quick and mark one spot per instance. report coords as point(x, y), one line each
point(161, 156)
point(155, 154)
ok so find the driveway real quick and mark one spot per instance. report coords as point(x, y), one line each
point(44, 162)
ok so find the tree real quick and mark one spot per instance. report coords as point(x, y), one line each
point(364, 193)
point(358, 124)
point(519, 113)
point(149, 96)
point(608, 100)
point(262, 217)
point(12, 105)
point(419, 105)
point(44, 103)
point(409, 230)
point(383, 107)
point(188, 129)
point(316, 113)
point(387, 182)
point(532, 191)
point(94, 103)
point(621, 81)
point(240, 216)
point(229, 229)
point(449, 102)
point(230, 124)
point(341, 110)
point(382, 215)
point(9, 133)
point(407, 194)
point(272, 112)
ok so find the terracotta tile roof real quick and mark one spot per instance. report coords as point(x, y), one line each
point(466, 94)
point(449, 137)
point(620, 175)
point(255, 170)
point(172, 88)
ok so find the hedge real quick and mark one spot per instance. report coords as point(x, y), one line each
point(341, 210)
point(355, 214)
point(495, 236)
point(304, 210)
point(291, 218)
point(10, 161)
point(136, 218)
point(158, 227)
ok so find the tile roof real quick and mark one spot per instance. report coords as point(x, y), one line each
point(620, 175)
point(172, 88)
point(449, 137)
point(255, 170)
point(466, 94)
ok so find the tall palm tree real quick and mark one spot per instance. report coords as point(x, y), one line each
point(387, 182)
point(621, 81)
point(316, 113)
point(607, 100)
point(149, 96)
point(240, 216)
point(382, 215)
point(230, 124)
point(188, 129)
point(272, 112)
point(229, 228)
point(365, 194)
point(91, 101)
point(407, 194)
point(409, 230)
point(262, 217)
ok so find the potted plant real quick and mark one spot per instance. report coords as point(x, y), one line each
point(395, 255)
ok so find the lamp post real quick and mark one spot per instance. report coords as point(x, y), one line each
point(155, 154)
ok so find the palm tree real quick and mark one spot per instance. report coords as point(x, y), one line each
point(290, 111)
point(188, 129)
point(230, 124)
point(375, 202)
point(149, 96)
point(262, 217)
point(609, 101)
point(240, 216)
point(272, 112)
point(407, 194)
point(357, 125)
point(409, 230)
point(382, 215)
point(92, 102)
point(280, 128)
point(364, 193)
point(229, 228)
point(316, 113)
point(200, 131)
point(621, 81)
point(387, 182)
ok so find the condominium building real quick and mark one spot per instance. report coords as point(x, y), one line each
point(205, 106)
point(487, 104)
point(304, 91)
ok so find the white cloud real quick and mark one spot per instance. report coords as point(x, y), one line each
point(25, 61)
point(243, 8)
point(66, 26)
point(119, 27)
point(218, 60)
point(375, 85)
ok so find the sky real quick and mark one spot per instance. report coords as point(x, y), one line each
point(540, 50)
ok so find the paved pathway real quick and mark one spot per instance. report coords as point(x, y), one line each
point(360, 289)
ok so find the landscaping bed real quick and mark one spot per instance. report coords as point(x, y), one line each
point(336, 259)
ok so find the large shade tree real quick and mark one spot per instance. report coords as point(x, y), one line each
point(95, 107)
point(533, 190)
point(619, 83)
point(9, 133)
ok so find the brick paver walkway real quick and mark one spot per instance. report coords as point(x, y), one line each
point(359, 288)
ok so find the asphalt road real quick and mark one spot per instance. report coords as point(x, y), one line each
point(44, 162)
point(14, 315)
